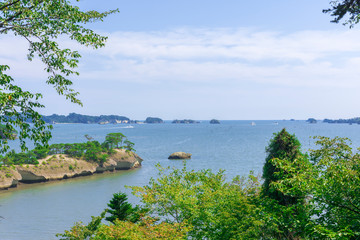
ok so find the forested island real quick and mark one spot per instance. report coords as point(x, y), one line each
point(185, 121)
point(214, 121)
point(311, 120)
point(355, 120)
point(79, 118)
point(153, 120)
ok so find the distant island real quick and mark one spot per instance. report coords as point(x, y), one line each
point(311, 120)
point(214, 121)
point(153, 120)
point(355, 120)
point(79, 118)
point(186, 121)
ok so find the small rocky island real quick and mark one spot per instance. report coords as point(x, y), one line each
point(180, 155)
point(214, 121)
point(153, 120)
point(185, 121)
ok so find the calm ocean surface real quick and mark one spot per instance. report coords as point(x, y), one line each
point(40, 211)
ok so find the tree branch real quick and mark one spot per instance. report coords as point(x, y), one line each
point(8, 5)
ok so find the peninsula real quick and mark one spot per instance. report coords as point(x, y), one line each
point(62, 161)
point(62, 166)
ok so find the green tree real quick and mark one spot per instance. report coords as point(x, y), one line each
point(332, 184)
point(41, 23)
point(282, 146)
point(289, 210)
point(205, 203)
point(129, 146)
point(80, 231)
point(114, 140)
point(119, 209)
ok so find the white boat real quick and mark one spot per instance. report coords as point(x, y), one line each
point(128, 127)
point(253, 124)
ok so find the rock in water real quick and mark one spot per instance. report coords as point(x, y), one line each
point(180, 155)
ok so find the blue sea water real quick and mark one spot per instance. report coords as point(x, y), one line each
point(39, 211)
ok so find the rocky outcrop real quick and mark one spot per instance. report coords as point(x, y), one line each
point(9, 177)
point(180, 155)
point(57, 167)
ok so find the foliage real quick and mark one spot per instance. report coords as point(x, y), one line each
point(6, 134)
point(80, 231)
point(148, 229)
point(321, 191)
point(289, 211)
point(17, 107)
point(41, 23)
point(114, 140)
point(129, 146)
point(332, 183)
point(202, 200)
point(340, 8)
point(121, 210)
point(89, 151)
point(286, 147)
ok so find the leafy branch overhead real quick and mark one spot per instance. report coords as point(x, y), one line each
point(342, 8)
point(41, 23)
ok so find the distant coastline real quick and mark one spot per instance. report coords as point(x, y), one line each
point(75, 118)
point(355, 120)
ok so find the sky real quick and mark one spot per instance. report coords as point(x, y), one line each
point(204, 59)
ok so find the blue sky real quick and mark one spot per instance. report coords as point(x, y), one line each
point(208, 59)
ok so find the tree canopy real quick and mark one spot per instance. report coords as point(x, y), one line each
point(41, 23)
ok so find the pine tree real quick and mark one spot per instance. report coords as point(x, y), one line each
point(120, 209)
point(286, 147)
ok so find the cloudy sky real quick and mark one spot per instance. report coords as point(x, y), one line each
point(207, 59)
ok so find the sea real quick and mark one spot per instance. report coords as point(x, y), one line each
point(40, 211)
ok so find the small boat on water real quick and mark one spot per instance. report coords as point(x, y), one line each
point(128, 127)
point(276, 123)
point(253, 124)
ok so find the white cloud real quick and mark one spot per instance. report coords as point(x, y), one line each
point(309, 58)
point(238, 62)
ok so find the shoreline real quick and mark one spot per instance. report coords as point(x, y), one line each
point(61, 167)
point(50, 183)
